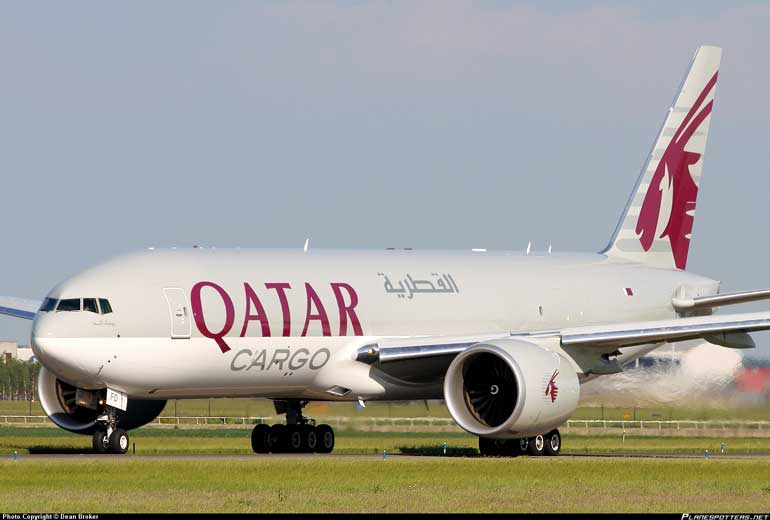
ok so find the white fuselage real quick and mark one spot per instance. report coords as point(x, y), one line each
point(284, 323)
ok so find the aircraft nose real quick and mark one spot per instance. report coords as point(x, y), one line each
point(57, 352)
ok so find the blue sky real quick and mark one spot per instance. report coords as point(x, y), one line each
point(427, 124)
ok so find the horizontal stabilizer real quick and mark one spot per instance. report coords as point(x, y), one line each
point(718, 300)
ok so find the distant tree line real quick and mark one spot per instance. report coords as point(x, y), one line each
point(18, 379)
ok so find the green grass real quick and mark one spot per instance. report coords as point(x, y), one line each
point(236, 441)
point(213, 441)
point(398, 484)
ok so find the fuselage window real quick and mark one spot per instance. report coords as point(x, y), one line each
point(105, 305)
point(49, 304)
point(89, 304)
point(69, 304)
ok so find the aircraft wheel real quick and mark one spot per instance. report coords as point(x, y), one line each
point(277, 438)
point(309, 439)
point(537, 445)
point(325, 438)
point(260, 438)
point(101, 442)
point(293, 438)
point(119, 441)
point(498, 447)
point(488, 447)
point(509, 447)
point(553, 443)
point(522, 445)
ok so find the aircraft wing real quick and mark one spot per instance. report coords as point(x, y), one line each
point(729, 330)
point(19, 307)
point(719, 329)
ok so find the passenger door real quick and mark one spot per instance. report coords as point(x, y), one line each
point(180, 312)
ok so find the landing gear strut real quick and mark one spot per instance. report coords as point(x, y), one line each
point(108, 438)
point(298, 435)
point(545, 444)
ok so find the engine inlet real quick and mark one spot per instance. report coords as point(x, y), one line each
point(489, 389)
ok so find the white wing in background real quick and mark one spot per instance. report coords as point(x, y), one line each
point(19, 307)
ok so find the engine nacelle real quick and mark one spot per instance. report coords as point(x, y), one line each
point(510, 388)
point(76, 409)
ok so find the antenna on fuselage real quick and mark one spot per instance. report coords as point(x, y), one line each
point(307, 245)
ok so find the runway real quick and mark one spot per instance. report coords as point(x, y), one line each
point(671, 455)
point(295, 456)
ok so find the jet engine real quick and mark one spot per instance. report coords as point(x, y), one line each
point(76, 409)
point(510, 388)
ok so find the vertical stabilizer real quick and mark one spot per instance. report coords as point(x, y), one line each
point(656, 225)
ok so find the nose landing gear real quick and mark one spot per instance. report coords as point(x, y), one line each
point(298, 435)
point(546, 444)
point(108, 438)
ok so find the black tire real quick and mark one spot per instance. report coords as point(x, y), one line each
point(293, 438)
point(553, 443)
point(488, 447)
point(509, 448)
point(536, 445)
point(101, 443)
point(522, 446)
point(260, 438)
point(498, 447)
point(309, 439)
point(119, 441)
point(277, 438)
point(325, 435)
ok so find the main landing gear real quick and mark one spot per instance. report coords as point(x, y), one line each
point(546, 444)
point(298, 435)
point(108, 438)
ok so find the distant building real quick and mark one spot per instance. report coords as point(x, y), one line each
point(8, 350)
point(24, 353)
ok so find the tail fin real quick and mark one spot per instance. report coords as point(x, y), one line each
point(657, 222)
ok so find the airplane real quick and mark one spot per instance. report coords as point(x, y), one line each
point(504, 338)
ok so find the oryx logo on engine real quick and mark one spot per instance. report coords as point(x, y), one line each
point(551, 390)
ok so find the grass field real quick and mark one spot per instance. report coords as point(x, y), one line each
point(236, 441)
point(398, 484)
point(374, 484)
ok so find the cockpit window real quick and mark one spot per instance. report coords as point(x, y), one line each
point(69, 304)
point(89, 304)
point(74, 304)
point(105, 305)
point(49, 304)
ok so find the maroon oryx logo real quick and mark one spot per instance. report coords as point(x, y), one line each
point(551, 389)
point(674, 170)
